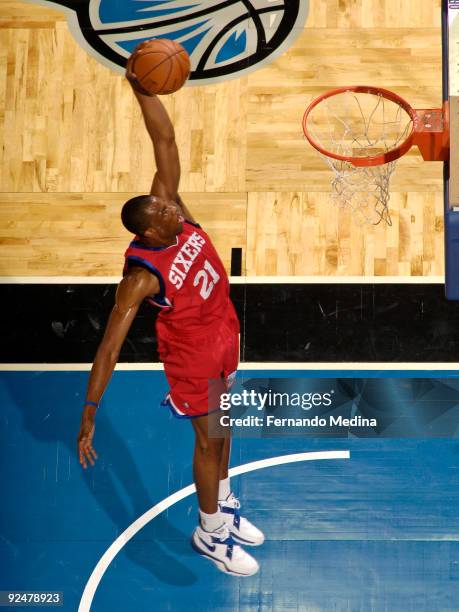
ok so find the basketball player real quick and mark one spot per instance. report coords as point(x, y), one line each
point(173, 265)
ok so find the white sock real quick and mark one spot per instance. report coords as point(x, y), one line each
point(224, 489)
point(210, 522)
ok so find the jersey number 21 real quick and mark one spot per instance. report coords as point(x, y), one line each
point(207, 279)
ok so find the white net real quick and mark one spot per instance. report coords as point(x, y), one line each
point(360, 125)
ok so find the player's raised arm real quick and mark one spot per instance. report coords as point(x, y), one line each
point(133, 289)
point(159, 126)
point(161, 130)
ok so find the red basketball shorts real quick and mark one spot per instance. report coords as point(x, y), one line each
point(200, 368)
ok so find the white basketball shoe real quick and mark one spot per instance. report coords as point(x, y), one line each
point(219, 547)
point(241, 529)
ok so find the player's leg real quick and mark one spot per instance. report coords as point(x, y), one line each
point(225, 458)
point(207, 462)
point(242, 530)
point(212, 537)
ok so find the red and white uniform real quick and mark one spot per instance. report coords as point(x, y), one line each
point(197, 327)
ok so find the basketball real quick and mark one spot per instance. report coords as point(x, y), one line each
point(162, 66)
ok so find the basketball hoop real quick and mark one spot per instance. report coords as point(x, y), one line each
point(361, 132)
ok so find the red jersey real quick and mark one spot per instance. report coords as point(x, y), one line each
point(194, 286)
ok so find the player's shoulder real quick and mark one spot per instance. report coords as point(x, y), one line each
point(192, 230)
point(138, 283)
point(191, 226)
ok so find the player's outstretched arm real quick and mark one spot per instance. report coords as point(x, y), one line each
point(161, 131)
point(159, 126)
point(133, 289)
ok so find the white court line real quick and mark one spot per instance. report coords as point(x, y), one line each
point(137, 525)
point(339, 280)
point(247, 365)
point(60, 280)
point(236, 280)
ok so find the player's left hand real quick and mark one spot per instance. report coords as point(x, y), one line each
point(86, 450)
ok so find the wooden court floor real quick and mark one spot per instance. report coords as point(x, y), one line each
point(74, 149)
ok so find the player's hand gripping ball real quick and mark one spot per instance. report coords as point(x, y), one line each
point(158, 66)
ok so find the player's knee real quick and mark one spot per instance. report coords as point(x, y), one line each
point(210, 447)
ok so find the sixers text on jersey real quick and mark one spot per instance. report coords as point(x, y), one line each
point(184, 260)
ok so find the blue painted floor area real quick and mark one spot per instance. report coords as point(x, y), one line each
point(376, 533)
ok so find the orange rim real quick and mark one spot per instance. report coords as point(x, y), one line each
point(375, 160)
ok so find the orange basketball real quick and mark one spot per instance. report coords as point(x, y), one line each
point(162, 66)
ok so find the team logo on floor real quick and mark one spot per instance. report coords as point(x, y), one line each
point(225, 39)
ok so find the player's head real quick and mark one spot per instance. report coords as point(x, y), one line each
point(152, 217)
